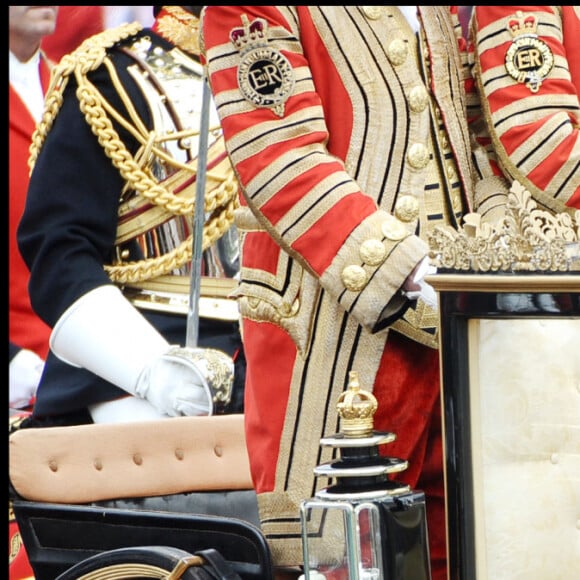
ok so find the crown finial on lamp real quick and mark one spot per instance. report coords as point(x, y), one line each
point(356, 408)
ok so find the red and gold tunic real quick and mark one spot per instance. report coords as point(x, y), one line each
point(26, 329)
point(348, 133)
point(528, 72)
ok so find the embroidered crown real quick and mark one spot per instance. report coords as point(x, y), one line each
point(519, 25)
point(251, 33)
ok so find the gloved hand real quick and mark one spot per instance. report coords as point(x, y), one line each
point(24, 374)
point(415, 286)
point(185, 381)
point(103, 333)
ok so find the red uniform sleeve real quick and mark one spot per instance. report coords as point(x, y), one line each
point(527, 76)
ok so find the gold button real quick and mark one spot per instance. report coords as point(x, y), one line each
point(286, 310)
point(372, 252)
point(354, 278)
point(407, 208)
point(372, 12)
point(418, 156)
point(418, 99)
point(397, 51)
point(456, 202)
point(393, 230)
point(451, 173)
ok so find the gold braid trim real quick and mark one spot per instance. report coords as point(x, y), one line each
point(134, 272)
point(181, 27)
point(88, 57)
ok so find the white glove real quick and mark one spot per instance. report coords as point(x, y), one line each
point(415, 286)
point(103, 333)
point(24, 372)
point(181, 381)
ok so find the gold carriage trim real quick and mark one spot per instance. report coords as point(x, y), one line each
point(527, 239)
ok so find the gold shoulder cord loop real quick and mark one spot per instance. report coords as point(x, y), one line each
point(220, 202)
point(88, 56)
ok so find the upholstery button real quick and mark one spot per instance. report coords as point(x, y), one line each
point(179, 453)
point(137, 459)
point(98, 463)
point(53, 466)
point(218, 450)
point(555, 458)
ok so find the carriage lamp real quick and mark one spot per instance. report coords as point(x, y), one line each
point(364, 525)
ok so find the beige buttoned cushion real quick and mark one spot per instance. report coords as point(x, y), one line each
point(98, 462)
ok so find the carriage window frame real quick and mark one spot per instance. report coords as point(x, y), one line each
point(465, 300)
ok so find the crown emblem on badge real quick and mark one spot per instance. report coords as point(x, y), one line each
point(265, 75)
point(250, 34)
point(529, 59)
point(520, 24)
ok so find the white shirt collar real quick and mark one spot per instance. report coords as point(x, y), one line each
point(25, 79)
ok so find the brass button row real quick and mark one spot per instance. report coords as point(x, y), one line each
point(372, 253)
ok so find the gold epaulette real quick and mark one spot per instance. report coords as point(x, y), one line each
point(156, 200)
point(89, 55)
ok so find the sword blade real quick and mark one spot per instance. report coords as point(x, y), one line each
point(192, 332)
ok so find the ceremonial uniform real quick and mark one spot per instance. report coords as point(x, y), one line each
point(111, 204)
point(26, 329)
point(349, 136)
point(528, 75)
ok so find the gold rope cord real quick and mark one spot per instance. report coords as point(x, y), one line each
point(89, 56)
